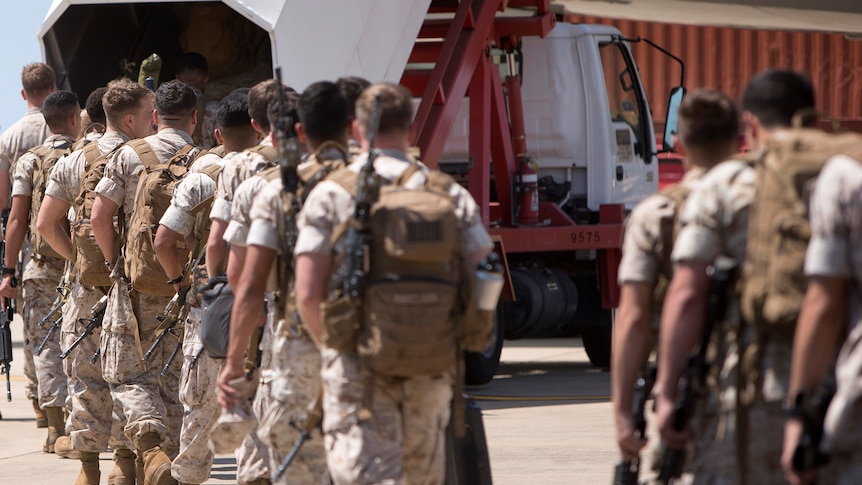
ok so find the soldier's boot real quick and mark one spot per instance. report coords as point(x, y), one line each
point(41, 419)
point(90, 474)
point(64, 449)
point(56, 427)
point(157, 464)
point(124, 471)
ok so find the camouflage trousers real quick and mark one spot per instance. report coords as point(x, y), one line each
point(200, 408)
point(296, 384)
point(95, 421)
point(150, 401)
point(39, 296)
point(32, 386)
point(253, 457)
point(403, 441)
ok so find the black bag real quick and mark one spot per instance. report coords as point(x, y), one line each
point(216, 305)
point(467, 459)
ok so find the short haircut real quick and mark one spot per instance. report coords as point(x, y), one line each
point(58, 107)
point(175, 100)
point(291, 105)
point(352, 86)
point(775, 96)
point(94, 107)
point(260, 97)
point(192, 61)
point(123, 97)
point(709, 123)
point(396, 108)
point(233, 111)
point(324, 111)
point(38, 78)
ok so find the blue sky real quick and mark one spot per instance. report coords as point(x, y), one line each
point(19, 26)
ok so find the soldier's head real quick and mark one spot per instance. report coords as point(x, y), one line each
point(129, 108)
point(395, 115)
point(62, 113)
point(771, 100)
point(260, 97)
point(233, 124)
point(176, 104)
point(708, 127)
point(38, 81)
point(193, 70)
point(324, 114)
point(352, 86)
point(95, 110)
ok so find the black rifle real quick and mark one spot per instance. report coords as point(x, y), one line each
point(627, 471)
point(312, 421)
point(6, 315)
point(807, 454)
point(359, 231)
point(672, 461)
point(55, 316)
point(97, 314)
point(288, 156)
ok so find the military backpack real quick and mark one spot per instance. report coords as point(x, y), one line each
point(46, 158)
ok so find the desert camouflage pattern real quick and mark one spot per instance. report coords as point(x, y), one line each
point(23, 135)
point(242, 166)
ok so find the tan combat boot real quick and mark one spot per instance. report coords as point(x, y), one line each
point(157, 464)
point(124, 471)
point(41, 420)
point(56, 427)
point(64, 449)
point(90, 474)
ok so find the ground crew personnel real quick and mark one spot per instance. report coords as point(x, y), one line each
point(185, 220)
point(707, 134)
point(37, 81)
point(150, 402)
point(324, 113)
point(193, 69)
point(715, 223)
point(42, 272)
point(403, 439)
point(830, 314)
point(129, 114)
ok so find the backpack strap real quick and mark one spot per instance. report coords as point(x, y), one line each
point(266, 151)
point(91, 153)
point(145, 152)
point(346, 178)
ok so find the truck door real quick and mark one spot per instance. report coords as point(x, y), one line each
point(635, 169)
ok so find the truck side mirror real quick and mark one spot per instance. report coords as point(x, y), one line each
point(671, 124)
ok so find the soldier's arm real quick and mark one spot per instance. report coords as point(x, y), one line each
point(102, 218)
point(681, 325)
point(50, 224)
point(312, 281)
point(235, 264)
point(16, 230)
point(217, 248)
point(166, 250)
point(631, 347)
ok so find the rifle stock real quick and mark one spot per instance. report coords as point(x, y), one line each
point(97, 314)
point(6, 315)
point(627, 471)
point(288, 155)
point(174, 311)
point(312, 421)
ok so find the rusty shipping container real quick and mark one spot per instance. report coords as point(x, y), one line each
point(725, 58)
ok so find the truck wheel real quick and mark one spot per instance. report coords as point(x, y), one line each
point(597, 340)
point(480, 367)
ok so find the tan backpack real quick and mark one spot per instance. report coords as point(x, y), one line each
point(668, 230)
point(773, 283)
point(46, 158)
point(152, 198)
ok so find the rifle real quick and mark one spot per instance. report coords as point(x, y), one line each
point(288, 156)
point(807, 454)
point(54, 315)
point(97, 314)
point(312, 421)
point(627, 471)
point(6, 315)
point(694, 379)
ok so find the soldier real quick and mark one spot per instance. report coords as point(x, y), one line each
point(38, 81)
point(708, 132)
point(43, 270)
point(187, 218)
point(93, 122)
point(830, 314)
point(392, 430)
point(324, 114)
point(150, 401)
point(743, 443)
point(129, 114)
point(193, 70)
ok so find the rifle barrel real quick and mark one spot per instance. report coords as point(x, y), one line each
point(291, 455)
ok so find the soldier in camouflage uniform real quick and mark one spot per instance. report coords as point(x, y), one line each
point(403, 438)
point(708, 132)
point(185, 219)
point(150, 401)
point(38, 81)
point(42, 272)
point(831, 310)
point(129, 112)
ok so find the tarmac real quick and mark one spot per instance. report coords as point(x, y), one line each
point(547, 418)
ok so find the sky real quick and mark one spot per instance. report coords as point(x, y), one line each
point(19, 45)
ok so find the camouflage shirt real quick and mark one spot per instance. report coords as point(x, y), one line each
point(242, 166)
point(23, 135)
point(64, 182)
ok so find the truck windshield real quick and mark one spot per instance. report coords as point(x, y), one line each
point(624, 95)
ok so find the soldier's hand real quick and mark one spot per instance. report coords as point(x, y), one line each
point(792, 434)
point(7, 290)
point(672, 438)
point(228, 395)
point(629, 442)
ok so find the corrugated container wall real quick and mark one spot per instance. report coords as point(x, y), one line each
point(725, 58)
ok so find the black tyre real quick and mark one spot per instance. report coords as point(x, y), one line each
point(480, 367)
point(598, 340)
